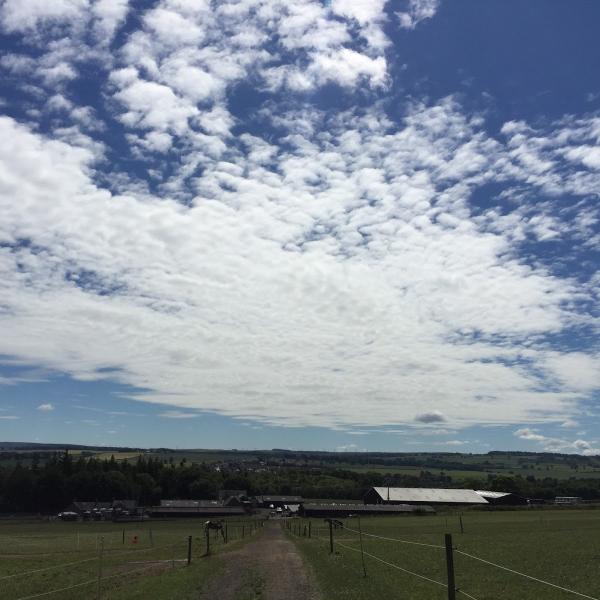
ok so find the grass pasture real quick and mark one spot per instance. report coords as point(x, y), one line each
point(150, 564)
point(559, 546)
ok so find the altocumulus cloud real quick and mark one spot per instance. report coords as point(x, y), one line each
point(333, 272)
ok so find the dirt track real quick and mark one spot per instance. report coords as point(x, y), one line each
point(268, 568)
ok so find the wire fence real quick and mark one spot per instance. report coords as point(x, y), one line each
point(451, 588)
point(115, 561)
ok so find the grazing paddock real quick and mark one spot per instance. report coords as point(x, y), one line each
point(561, 547)
point(132, 560)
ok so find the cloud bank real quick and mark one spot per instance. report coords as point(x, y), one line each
point(301, 266)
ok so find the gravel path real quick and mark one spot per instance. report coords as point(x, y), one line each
point(268, 568)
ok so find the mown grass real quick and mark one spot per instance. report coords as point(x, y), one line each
point(562, 547)
point(150, 564)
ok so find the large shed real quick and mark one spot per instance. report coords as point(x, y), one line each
point(427, 496)
point(181, 510)
point(277, 501)
point(502, 498)
point(346, 510)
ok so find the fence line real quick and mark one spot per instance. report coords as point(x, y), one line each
point(71, 587)
point(48, 568)
point(78, 562)
point(558, 587)
point(90, 581)
point(394, 539)
point(399, 568)
point(394, 566)
point(538, 580)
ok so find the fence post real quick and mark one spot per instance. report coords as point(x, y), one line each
point(450, 567)
point(243, 531)
point(462, 529)
point(151, 537)
point(123, 537)
point(189, 550)
point(330, 536)
point(100, 556)
point(362, 552)
point(226, 533)
point(309, 527)
point(207, 532)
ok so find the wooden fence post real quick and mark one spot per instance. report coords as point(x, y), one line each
point(330, 536)
point(450, 567)
point(100, 557)
point(207, 532)
point(462, 529)
point(189, 560)
point(362, 552)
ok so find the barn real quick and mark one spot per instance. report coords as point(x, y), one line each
point(277, 501)
point(502, 498)
point(341, 511)
point(423, 496)
point(194, 508)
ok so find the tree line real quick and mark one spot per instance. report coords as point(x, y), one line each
point(51, 485)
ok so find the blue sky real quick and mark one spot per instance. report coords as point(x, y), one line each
point(344, 224)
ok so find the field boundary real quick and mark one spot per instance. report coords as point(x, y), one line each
point(449, 548)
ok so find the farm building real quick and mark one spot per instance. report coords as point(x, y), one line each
point(567, 500)
point(102, 510)
point(224, 494)
point(277, 501)
point(502, 498)
point(346, 510)
point(418, 496)
point(194, 508)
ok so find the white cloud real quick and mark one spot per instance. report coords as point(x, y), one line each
point(285, 279)
point(20, 15)
point(349, 448)
point(48, 407)
point(418, 10)
point(326, 280)
point(557, 444)
point(178, 414)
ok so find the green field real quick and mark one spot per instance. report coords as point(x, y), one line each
point(151, 563)
point(559, 546)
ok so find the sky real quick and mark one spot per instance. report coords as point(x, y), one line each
point(320, 224)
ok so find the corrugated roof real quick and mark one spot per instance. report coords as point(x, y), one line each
point(430, 495)
point(286, 499)
point(202, 510)
point(367, 508)
point(190, 503)
point(488, 494)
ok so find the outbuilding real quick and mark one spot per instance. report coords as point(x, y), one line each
point(277, 501)
point(426, 496)
point(502, 498)
point(346, 510)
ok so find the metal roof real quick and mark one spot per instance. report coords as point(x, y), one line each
point(367, 508)
point(190, 503)
point(429, 495)
point(286, 499)
point(201, 510)
point(495, 495)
